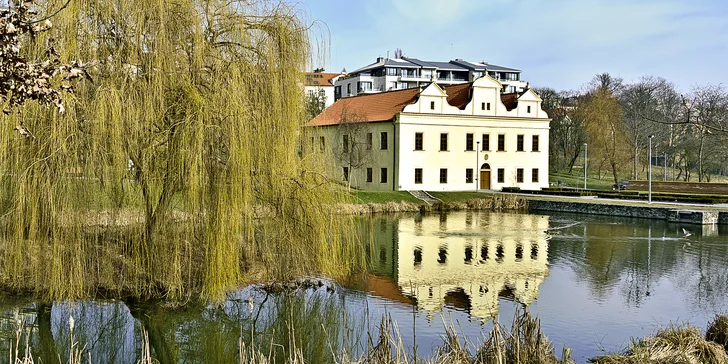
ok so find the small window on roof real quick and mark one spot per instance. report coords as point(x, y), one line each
point(432, 105)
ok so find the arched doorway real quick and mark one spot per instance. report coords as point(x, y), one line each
point(485, 176)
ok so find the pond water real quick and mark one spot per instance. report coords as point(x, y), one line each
point(595, 282)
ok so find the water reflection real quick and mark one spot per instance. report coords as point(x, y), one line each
point(464, 260)
point(595, 282)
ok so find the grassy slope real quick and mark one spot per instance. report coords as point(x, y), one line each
point(577, 180)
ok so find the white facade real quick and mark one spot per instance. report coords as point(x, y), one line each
point(322, 84)
point(326, 91)
point(435, 146)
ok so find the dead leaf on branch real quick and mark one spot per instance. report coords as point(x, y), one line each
point(21, 80)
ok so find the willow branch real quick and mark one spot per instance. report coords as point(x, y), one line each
point(52, 15)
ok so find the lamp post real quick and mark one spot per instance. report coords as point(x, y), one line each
point(649, 172)
point(664, 159)
point(477, 169)
point(586, 149)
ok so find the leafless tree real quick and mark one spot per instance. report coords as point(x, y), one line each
point(353, 146)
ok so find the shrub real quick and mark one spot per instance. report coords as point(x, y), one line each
point(718, 331)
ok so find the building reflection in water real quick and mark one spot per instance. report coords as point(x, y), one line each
point(466, 260)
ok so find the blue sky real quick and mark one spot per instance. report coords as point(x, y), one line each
point(556, 43)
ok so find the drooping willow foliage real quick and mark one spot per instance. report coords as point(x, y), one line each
point(177, 169)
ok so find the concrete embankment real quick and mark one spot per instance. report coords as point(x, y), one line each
point(691, 214)
point(682, 213)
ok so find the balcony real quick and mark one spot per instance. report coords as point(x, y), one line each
point(412, 77)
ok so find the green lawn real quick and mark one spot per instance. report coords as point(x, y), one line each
point(577, 180)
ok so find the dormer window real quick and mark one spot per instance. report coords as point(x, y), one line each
point(528, 109)
point(432, 105)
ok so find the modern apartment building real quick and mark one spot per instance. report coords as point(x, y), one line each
point(387, 74)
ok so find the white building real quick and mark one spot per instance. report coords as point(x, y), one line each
point(461, 137)
point(322, 84)
point(469, 260)
point(388, 74)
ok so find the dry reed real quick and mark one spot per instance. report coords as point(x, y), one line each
point(717, 331)
point(672, 345)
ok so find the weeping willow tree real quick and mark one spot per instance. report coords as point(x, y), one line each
point(174, 170)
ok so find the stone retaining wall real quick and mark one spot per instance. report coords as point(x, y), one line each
point(599, 209)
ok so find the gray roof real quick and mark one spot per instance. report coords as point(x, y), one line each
point(444, 66)
point(456, 65)
point(391, 62)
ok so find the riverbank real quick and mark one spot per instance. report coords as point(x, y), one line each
point(392, 202)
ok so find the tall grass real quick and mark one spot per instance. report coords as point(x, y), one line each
point(176, 171)
point(675, 344)
point(522, 343)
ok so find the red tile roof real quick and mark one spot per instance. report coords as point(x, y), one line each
point(510, 100)
point(381, 106)
point(458, 95)
point(384, 106)
point(320, 78)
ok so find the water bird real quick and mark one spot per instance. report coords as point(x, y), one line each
point(686, 233)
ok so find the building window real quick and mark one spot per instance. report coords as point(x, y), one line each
point(364, 86)
point(443, 175)
point(534, 143)
point(418, 175)
point(370, 175)
point(469, 175)
point(418, 141)
point(369, 141)
point(383, 175)
point(501, 175)
point(534, 175)
point(482, 106)
point(469, 142)
point(346, 174)
point(443, 142)
point(519, 175)
point(501, 142)
point(528, 109)
point(486, 142)
point(432, 105)
point(348, 89)
point(383, 140)
point(345, 144)
point(322, 142)
point(519, 143)
point(487, 106)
